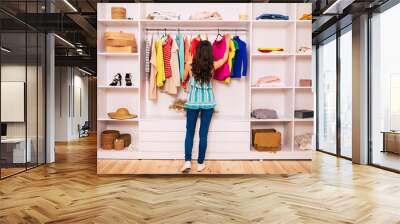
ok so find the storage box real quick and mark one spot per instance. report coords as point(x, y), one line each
point(391, 142)
point(118, 13)
point(120, 42)
point(303, 114)
point(266, 139)
point(305, 82)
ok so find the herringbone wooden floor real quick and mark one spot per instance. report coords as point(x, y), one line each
point(71, 192)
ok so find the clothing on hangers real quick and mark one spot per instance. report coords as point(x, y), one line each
point(167, 56)
point(187, 58)
point(160, 78)
point(240, 60)
point(181, 54)
point(173, 82)
point(219, 47)
point(195, 42)
point(147, 57)
point(153, 72)
point(231, 54)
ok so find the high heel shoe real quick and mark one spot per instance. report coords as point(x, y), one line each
point(117, 80)
point(128, 79)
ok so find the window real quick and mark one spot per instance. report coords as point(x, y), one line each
point(385, 89)
point(327, 96)
point(346, 93)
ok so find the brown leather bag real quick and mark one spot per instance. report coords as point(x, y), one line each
point(266, 139)
point(120, 40)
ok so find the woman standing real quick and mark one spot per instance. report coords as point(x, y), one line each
point(200, 100)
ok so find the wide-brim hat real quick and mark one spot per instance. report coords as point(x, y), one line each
point(121, 114)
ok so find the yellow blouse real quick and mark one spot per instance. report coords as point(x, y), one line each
point(160, 78)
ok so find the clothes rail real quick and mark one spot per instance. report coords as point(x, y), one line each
point(196, 30)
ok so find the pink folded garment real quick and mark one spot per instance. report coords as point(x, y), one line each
point(205, 15)
point(268, 79)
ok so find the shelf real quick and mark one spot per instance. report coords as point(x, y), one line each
point(121, 121)
point(304, 120)
point(271, 88)
point(303, 87)
point(274, 23)
point(223, 24)
point(267, 55)
point(304, 21)
point(118, 54)
point(271, 120)
point(118, 22)
point(303, 55)
point(284, 148)
point(119, 87)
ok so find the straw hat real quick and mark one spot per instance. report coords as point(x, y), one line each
point(121, 114)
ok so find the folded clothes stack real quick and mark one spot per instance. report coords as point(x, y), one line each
point(270, 49)
point(206, 15)
point(272, 16)
point(304, 142)
point(268, 80)
point(163, 15)
point(306, 16)
point(264, 113)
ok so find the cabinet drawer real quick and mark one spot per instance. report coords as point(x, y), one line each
point(180, 125)
point(215, 147)
point(168, 136)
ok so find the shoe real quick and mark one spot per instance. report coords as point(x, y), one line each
point(200, 167)
point(186, 167)
point(128, 79)
point(117, 80)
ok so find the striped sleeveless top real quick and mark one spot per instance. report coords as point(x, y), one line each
point(200, 96)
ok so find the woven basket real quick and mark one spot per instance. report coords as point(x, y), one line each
point(119, 144)
point(127, 139)
point(107, 139)
point(118, 13)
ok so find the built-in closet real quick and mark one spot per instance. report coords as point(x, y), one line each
point(158, 132)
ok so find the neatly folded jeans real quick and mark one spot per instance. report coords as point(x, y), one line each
point(272, 16)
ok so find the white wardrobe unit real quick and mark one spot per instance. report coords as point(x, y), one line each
point(158, 132)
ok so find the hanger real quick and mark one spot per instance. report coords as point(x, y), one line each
point(218, 35)
point(164, 34)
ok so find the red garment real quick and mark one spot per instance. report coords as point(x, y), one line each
point(167, 57)
point(195, 43)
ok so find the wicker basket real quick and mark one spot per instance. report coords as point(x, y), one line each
point(119, 144)
point(107, 138)
point(118, 13)
point(127, 139)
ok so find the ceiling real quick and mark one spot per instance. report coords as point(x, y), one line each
point(79, 27)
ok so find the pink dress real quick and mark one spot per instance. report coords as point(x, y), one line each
point(219, 47)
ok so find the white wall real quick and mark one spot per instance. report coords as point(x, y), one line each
point(70, 83)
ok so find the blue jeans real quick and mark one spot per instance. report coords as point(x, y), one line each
point(191, 119)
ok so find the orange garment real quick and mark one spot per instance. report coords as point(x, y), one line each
point(187, 58)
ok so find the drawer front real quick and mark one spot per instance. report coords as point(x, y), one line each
point(180, 125)
point(168, 136)
point(215, 147)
